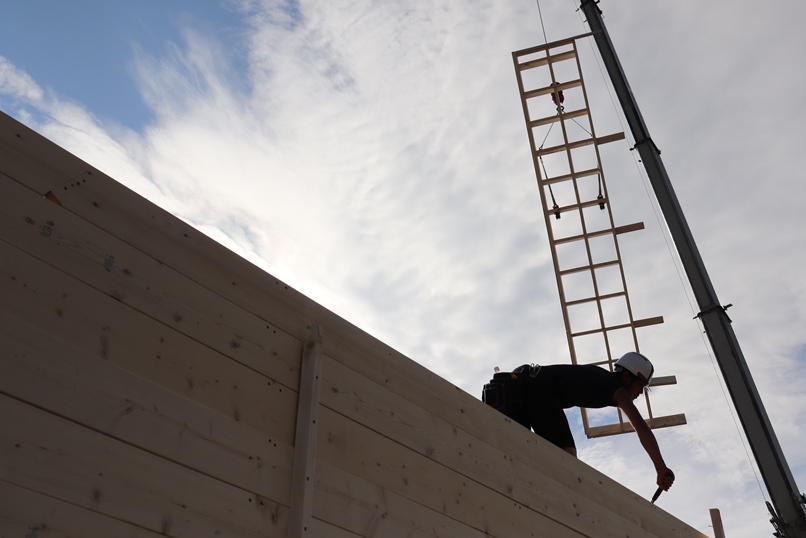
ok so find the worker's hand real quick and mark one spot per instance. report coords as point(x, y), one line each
point(665, 479)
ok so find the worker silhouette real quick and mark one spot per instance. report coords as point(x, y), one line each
point(535, 397)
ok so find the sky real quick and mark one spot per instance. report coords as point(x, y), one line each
point(373, 155)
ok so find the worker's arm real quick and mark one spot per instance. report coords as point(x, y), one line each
point(645, 435)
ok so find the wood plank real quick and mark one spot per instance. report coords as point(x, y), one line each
point(625, 427)
point(597, 233)
point(590, 267)
point(366, 509)
point(53, 302)
point(660, 381)
point(113, 267)
point(25, 513)
point(595, 298)
point(66, 461)
point(567, 177)
point(579, 144)
point(358, 450)
point(55, 376)
point(553, 45)
point(645, 322)
point(634, 227)
point(321, 529)
point(609, 138)
point(575, 207)
point(25, 153)
point(716, 523)
point(561, 86)
point(563, 494)
point(557, 117)
point(635, 323)
point(553, 58)
point(302, 477)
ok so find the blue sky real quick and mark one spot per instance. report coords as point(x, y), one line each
point(388, 139)
point(99, 39)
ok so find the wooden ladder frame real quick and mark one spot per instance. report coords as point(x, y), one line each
point(597, 321)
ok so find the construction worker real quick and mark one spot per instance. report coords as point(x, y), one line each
point(536, 396)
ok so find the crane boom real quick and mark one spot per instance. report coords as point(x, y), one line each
point(789, 517)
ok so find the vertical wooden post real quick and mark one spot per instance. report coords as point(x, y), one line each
point(305, 437)
point(716, 521)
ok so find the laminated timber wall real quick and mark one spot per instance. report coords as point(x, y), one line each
point(151, 382)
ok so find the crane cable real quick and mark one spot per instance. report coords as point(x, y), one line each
point(545, 39)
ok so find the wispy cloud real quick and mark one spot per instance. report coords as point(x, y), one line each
point(17, 83)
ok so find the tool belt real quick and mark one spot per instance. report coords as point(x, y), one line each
point(505, 391)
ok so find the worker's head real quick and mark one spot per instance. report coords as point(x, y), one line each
point(638, 371)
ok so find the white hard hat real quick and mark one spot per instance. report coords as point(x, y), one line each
point(637, 365)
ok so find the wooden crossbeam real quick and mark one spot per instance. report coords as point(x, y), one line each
point(596, 298)
point(599, 233)
point(560, 86)
point(626, 427)
point(580, 143)
point(590, 267)
point(634, 324)
point(573, 175)
point(557, 117)
point(574, 207)
point(550, 58)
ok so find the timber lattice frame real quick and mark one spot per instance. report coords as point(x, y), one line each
point(583, 237)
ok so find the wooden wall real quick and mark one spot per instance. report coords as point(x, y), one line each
point(151, 382)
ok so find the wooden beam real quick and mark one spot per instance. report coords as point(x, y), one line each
point(591, 267)
point(557, 117)
point(716, 522)
point(598, 233)
point(552, 45)
point(626, 427)
point(599, 140)
point(561, 86)
point(42, 296)
point(58, 458)
point(566, 177)
point(420, 478)
point(553, 58)
point(302, 477)
point(596, 298)
point(663, 381)
point(609, 138)
point(628, 228)
point(362, 508)
point(635, 324)
point(50, 374)
point(27, 514)
point(657, 320)
point(576, 207)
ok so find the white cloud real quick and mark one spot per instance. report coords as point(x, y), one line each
point(18, 83)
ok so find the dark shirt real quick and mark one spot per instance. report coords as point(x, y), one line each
point(574, 385)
